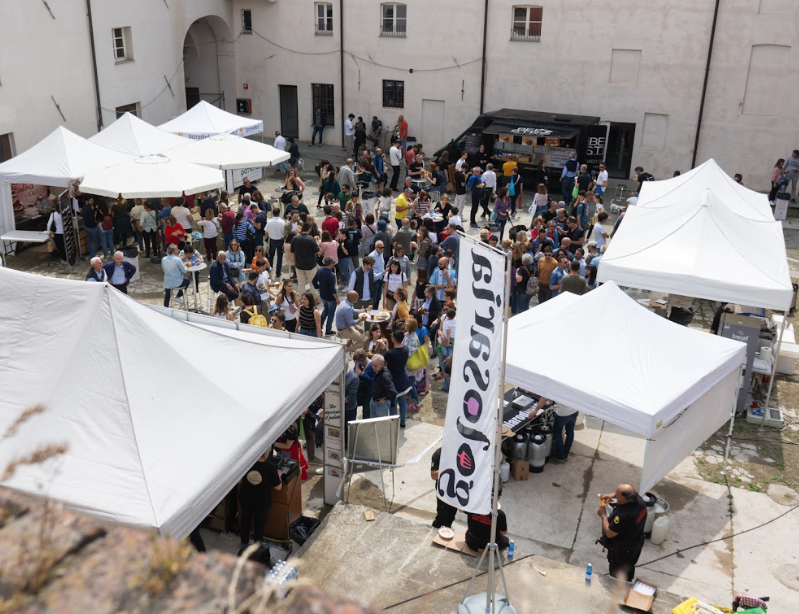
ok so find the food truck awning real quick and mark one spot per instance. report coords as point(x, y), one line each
point(530, 130)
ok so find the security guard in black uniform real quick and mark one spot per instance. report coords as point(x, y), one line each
point(623, 530)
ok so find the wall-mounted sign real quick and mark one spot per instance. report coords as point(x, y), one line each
point(532, 131)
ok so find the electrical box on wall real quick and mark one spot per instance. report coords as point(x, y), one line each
point(244, 105)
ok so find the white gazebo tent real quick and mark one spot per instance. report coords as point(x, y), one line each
point(204, 120)
point(670, 384)
point(701, 247)
point(57, 159)
point(157, 429)
point(228, 152)
point(152, 177)
point(136, 137)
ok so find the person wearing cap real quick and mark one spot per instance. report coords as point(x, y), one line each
point(592, 252)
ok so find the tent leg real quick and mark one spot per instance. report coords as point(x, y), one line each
point(774, 357)
point(732, 426)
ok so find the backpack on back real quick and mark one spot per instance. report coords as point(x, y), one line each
point(256, 319)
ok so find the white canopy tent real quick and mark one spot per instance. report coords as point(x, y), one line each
point(152, 177)
point(54, 161)
point(673, 385)
point(691, 186)
point(136, 137)
point(701, 246)
point(204, 120)
point(228, 152)
point(157, 429)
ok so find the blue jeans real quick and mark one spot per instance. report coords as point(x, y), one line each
point(228, 239)
point(319, 131)
point(568, 188)
point(403, 408)
point(329, 314)
point(92, 240)
point(521, 302)
point(276, 249)
point(107, 242)
point(345, 269)
point(140, 240)
point(379, 410)
point(563, 422)
point(307, 333)
point(378, 294)
point(168, 291)
point(283, 165)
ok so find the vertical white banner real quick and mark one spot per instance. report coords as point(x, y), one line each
point(467, 455)
point(334, 441)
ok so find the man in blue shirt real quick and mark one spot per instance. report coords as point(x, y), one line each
point(568, 175)
point(325, 283)
point(453, 242)
point(221, 281)
point(119, 272)
point(174, 269)
point(557, 276)
point(443, 277)
point(379, 268)
point(347, 318)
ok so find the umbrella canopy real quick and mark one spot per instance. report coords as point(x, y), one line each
point(134, 136)
point(59, 158)
point(226, 152)
point(152, 177)
point(204, 120)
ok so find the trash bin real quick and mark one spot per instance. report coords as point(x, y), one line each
point(302, 528)
point(781, 204)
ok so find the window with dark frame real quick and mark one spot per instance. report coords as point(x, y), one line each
point(246, 21)
point(133, 109)
point(527, 23)
point(393, 94)
point(322, 97)
point(393, 20)
point(324, 18)
point(120, 39)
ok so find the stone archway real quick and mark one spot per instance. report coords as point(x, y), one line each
point(209, 65)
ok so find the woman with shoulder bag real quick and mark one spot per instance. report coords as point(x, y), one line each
point(522, 290)
point(368, 234)
point(55, 225)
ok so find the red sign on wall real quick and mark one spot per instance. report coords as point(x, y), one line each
point(246, 86)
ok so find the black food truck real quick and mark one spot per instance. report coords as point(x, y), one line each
point(530, 137)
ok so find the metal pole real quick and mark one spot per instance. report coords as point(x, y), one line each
point(704, 84)
point(732, 422)
point(491, 593)
point(94, 67)
point(774, 357)
point(483, 64)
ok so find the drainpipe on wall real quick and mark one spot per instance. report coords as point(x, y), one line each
point(704, 85)
point(341, 57)
point(483, 72)
point(94, 68)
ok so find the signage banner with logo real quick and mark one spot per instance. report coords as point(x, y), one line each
point(466, 474)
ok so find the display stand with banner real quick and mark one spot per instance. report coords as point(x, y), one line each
point(66, 208)
point(469, 470)
point(334, 441)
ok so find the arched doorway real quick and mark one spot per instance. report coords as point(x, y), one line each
point(209, 63)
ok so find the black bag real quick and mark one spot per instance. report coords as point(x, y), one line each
point(250, 233)
point(52, 227)
point(363, 393)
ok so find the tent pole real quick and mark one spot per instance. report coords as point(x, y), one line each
point(774, 357)
point(732, 423)
point(492, 547)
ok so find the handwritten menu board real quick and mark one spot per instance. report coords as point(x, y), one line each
point(558, 156)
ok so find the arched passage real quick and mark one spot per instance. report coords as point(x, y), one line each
point(209, 63)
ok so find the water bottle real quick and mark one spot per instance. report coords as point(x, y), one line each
point(589, 571)
point(511, 551)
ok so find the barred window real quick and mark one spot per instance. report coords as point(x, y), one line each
point(527, 23)
point(394, 19)
point(322, 97)
point(393, 94)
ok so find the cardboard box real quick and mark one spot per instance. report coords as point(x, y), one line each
point(641, 600)
point(520, 470)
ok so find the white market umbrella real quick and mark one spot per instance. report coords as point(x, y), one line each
point(204, 120)
point(152, 177)
point(134, 136)
point(227, 152)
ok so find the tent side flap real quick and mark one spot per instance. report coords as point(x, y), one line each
point(674, 441)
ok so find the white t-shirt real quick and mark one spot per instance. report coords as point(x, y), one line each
point(395, 154)
point(349, 127)
point(183, 216)
point(632, 201)
point(602, 179)
point(448, 328)
point(490, 179)
point(564, 410)
point(263, 281)
point(275, 228)
point(280, 142)
point(210, 228)
point(598, 236)
point(459, 164)
point(55, 216)
point(456, 219)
